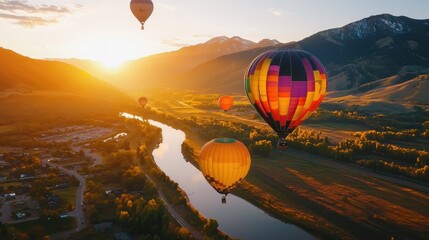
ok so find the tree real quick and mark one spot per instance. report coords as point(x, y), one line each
point(262, 147)
point(210, 228)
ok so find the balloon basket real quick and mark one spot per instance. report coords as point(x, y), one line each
point(282, 144)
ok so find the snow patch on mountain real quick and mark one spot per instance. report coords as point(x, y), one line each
point(382, 25)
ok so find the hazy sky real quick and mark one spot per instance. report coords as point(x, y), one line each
point(107, 31)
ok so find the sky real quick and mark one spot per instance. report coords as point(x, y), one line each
point(107, 31)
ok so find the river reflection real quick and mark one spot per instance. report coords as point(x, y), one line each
point(237, 218)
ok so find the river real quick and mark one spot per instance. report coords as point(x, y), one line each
point(237, 218)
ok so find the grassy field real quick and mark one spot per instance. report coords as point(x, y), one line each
point(67, 195)
point(335, 131)
point(347, 200)
point(49, 226)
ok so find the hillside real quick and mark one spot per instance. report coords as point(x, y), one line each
point(157, 70)
point(355, 56)
point(370, 49)
point(394, 94)
point(52, 88)
point(358, 53)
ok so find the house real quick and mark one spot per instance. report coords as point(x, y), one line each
point(10, 196)
point(53, 201)
point(20, 215)
point(64, 215)
point(25, 177)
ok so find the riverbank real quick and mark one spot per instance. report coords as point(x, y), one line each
point(175, 199)
point(267, 202)
point(324, 198)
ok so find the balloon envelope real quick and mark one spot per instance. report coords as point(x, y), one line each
point(224, 162)
point(142, 101)
point(142, 9)
point(285, 87)
point(225, 102)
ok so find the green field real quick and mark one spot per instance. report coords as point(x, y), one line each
point(49, 226)
point(67, 195)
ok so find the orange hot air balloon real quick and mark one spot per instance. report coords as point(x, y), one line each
point(142, 101)
point(224, 163)
point(225, 102)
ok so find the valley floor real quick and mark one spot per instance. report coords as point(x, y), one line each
point(328, 198)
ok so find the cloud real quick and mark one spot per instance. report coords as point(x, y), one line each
point(174, 42)
point(28, 21)
point(278, 12)
point(28, 15)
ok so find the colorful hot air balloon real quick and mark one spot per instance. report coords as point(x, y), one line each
point(142, 101)
point(225, 102)
point(142, 9)
point(224, 162)
point(285, 87)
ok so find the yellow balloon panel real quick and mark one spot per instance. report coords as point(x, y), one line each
point(224, 163)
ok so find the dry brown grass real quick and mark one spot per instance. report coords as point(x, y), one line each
point(337, 202)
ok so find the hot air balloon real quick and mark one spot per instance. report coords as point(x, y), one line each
point(142, 9)
point(285, 87)
point(225, 102)
point(224, 163)
point(142, 101)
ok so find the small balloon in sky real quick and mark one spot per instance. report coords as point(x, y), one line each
point(142, 101)
point(142, 9)
point(226, 102)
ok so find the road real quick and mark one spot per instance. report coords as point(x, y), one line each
point(175, 214)
point(78, 210)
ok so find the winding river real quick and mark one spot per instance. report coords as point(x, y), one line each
point(237, 218)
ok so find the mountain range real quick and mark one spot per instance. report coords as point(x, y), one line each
point(381, 61)
point(158, 70)
point(36, 87)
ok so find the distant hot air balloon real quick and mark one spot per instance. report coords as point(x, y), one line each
point(142, 101)
point(285, 87)
point(224, 162)
point(142, 9)
point(225, 102)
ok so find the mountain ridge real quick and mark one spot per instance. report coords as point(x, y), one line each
point(53, 88)
point(356, 54)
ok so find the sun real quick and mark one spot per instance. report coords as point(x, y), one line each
point(111, 63)
point(111, 57)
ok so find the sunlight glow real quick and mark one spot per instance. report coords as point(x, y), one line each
point(111, 63)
